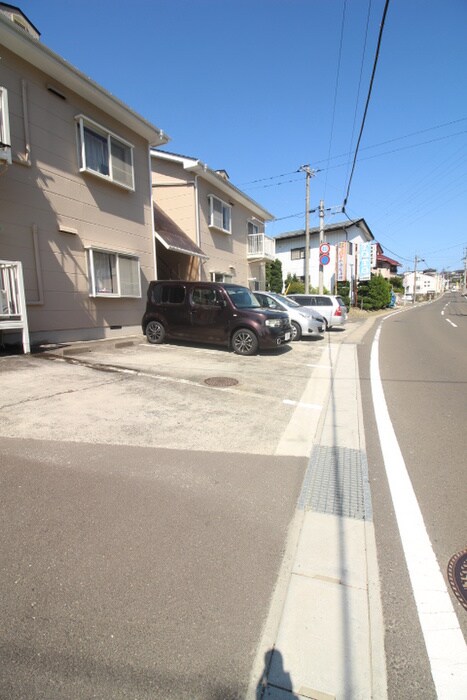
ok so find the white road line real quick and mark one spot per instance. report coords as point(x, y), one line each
point(442, 312)
point(452, 324)
point(314, 406)
point(320, 366)
point(445, 644)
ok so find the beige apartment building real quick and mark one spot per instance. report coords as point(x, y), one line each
point(206, 228)
point(75, 195)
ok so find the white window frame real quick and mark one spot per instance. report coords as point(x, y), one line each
point(110, 139)
point(226, 210)
point(221, 277)
point(116, 291)
point(5, 137)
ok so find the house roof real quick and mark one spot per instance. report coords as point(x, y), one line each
point(343, 225)
point(384, 258)
point(216, 179)
point(172, 236)
point(33, 51)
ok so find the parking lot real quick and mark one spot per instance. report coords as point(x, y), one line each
point(172, 395)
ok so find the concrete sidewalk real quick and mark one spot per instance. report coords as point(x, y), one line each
point(324, 638)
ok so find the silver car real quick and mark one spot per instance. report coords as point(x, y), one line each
point(303, 321)
point(331, 307)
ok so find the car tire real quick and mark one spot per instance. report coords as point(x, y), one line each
point(296, 331)
point(244, 342)
point(155, 332)
point(327, 327)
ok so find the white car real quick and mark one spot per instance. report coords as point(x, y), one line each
point(303, 321)
point(331, 307)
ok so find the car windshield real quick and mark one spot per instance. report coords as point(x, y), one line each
point(285, 300)
point(242, 298)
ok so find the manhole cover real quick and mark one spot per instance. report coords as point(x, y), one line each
point(220, 381)
point(457, 574)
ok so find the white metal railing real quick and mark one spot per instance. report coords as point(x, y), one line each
point(260, 246)
point(13, 314)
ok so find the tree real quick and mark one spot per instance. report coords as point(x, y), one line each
point(274, 276)
point(343, 290)
point(293, 285)
point(374, 294)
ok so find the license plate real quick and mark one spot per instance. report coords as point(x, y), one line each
point(287, 336)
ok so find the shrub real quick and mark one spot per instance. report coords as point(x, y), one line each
point(374, 294)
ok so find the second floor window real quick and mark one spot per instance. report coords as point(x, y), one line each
point(297, 254)
point(252, 228)
point(220, 214)
point(105, 154)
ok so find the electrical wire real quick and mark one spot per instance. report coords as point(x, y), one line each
point(375, 63)
point(357, 99)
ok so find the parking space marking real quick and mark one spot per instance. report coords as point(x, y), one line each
point(452, 324)
point(300, 404)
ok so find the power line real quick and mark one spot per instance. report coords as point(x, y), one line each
point(375, 63)
point(357, 99)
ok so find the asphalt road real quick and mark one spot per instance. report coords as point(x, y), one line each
point(423, 365)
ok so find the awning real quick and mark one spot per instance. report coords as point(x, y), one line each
point(172, 237)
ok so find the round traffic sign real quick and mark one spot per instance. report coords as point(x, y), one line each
point(324, 259)
point(325, 249)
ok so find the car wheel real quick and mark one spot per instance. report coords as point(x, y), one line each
point(327, 327)
point(244, 342)
point(296, 331)
point(155, 332)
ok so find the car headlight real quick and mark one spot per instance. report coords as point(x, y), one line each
point(274, 322)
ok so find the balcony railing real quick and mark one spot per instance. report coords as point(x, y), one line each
point(261, 247)
point(13, 315)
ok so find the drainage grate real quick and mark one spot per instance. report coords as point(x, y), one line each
point(457, 574)
point(221, 381)
point(336, 482)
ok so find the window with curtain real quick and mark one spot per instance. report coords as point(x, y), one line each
point(103, 153)
point(113, 274)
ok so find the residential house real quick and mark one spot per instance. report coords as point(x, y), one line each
point(206, 228)
point(428, 283)
point(75, 192)
point(385, 266)
point(343, 238)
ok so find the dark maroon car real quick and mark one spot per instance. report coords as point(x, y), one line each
point(213, 312)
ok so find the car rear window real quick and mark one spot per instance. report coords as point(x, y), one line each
point(340, 301)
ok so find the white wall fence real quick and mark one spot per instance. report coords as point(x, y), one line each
point(13, 313)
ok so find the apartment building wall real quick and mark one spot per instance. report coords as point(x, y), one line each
point(184, 194)
point(51, 213)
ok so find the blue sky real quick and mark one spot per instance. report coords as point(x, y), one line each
point(261, 87)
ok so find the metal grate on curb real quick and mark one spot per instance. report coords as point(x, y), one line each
point(457, 575)
point(221, 381)
point(336, 482)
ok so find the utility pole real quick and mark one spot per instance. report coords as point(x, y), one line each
point(309, 174)
point(321, 240)
point(417, 260)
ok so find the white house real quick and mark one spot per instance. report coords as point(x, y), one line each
point(428, 283)
point(344, 238)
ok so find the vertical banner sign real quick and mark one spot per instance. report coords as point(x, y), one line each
point(342, 261)
point(364, 261)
